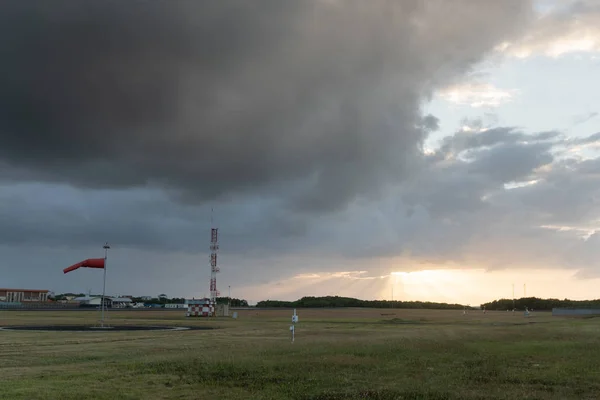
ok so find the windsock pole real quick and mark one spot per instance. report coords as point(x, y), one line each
point(106, 247)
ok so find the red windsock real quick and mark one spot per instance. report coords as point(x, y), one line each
point(89, 263)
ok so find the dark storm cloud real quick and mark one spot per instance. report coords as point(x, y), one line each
point(143, 219)
point(513, 162)
point(431, 214)
point(216, 98)
point(450, 213)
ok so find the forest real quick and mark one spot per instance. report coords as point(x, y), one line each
point(336, 301)
point(534, 303)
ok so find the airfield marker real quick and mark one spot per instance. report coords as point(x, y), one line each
point(293, 327)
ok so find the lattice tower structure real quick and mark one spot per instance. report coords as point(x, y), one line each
point(214, 269)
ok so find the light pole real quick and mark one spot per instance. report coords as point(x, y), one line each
point(229, 295)
point(105, 247)
point(513, 290)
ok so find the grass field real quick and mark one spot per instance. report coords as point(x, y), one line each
point(338, 354)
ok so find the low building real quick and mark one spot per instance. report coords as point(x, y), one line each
point(87, 300)
point(92, 301)
point(222, 310)
point(121, 302)
point(175, 305)
point(23, 295)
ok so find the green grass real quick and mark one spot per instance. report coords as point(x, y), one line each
point(337, 355)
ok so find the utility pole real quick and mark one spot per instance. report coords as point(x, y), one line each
point(105, 247)
point(513, 290)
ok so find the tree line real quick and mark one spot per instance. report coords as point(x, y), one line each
point(336, 301)
point(539, 304)
point(532, 303)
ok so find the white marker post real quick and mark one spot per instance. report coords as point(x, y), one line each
point(293, 327)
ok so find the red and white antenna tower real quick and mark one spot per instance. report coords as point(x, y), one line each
point(214, 248)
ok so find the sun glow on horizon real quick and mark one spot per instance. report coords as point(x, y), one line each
point(455, 286)
point(476, 286)
point(442, 285)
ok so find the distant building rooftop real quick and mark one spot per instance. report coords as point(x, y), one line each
point(84, 298)
point(121, 299)
point(117, 299)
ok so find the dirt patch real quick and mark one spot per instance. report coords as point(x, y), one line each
point(400, 321)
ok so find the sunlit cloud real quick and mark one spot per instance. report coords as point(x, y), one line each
point(583, 231)
point(516, 185)
point(552, 48)
point(477, 95)
point(571, 28)
point(307, 276)
point(351, 275)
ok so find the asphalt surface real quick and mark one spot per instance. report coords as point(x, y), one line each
point(109, 328)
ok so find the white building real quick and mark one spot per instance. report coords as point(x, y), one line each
point(23, 295)
point(110, 302)
point(176, 306)
point(121, 302)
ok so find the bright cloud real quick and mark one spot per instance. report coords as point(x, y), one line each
point(477, 95)
point(567, 27)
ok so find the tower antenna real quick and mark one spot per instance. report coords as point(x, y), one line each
point(214, 248)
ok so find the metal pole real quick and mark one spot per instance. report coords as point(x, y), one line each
point(294, 326)
point(106, 247)
point(229, 295)
point(513, 290)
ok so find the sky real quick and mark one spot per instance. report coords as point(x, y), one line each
point(410, 150)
